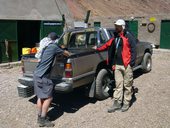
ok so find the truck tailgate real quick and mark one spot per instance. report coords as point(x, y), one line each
point(29, 66)
point(30, 63)
point(57, 70)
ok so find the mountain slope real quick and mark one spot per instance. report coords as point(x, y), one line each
point(103, 8)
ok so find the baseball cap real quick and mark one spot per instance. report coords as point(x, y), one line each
point(120, 22)
point(53, 36)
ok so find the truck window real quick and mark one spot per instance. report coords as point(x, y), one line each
point(102, 38)
point(63, 39)
point(78, 40)
point(83, 40)
point(91, 39)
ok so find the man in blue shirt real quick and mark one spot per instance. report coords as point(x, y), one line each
point(43, 85)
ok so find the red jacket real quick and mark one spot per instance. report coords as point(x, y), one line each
point(128, 50)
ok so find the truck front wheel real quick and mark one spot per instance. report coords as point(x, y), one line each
point(103, 84)
point(147, 63)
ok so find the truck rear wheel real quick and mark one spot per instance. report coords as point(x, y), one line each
point(147, 63)
point(103, 86)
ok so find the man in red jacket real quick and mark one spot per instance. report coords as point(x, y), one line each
point(121, 56)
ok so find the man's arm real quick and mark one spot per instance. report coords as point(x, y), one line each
point(59, 50)
point(66, 53)
point(105, 46)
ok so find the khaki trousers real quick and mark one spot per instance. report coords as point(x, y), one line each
point(124, 81)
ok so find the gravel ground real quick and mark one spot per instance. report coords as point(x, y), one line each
point(150, 108)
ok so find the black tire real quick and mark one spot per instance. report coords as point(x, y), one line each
point(147, 63)
point(103, 81)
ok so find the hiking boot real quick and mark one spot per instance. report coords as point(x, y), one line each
point(39, 118)
point(116, 106)
point(125, 107)
point(44, 122)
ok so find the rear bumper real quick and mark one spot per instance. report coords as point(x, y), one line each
point(59, 87)
point(27, 81)
point(63, 87)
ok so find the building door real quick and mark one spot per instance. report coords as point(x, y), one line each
point(97, 24)
point(28, 34)
point(132, 26)
point(165, 34)
point(51, 26)
point(8, 48)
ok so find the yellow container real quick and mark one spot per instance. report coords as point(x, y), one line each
point(26, 51)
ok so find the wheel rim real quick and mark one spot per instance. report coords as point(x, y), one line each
point(148, 64)
point(105, 83)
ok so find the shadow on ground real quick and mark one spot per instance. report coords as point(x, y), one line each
point(137, 73)
point(73, 101)
point(70, 103)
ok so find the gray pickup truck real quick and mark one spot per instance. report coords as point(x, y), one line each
point(86, 66)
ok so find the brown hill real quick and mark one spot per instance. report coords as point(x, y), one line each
point(112, 8)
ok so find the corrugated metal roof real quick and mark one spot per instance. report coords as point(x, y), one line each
point(33, 9)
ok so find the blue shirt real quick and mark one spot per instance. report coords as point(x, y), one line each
point(47, 58)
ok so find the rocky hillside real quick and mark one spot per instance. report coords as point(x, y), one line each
point(113, 8)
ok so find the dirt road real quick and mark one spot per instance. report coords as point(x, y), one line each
point(150, 108)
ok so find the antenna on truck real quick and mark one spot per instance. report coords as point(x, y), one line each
point(87, 17)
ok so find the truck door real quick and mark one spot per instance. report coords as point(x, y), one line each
point(81, 44)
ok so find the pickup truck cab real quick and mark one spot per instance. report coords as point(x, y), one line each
point(86, 66)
